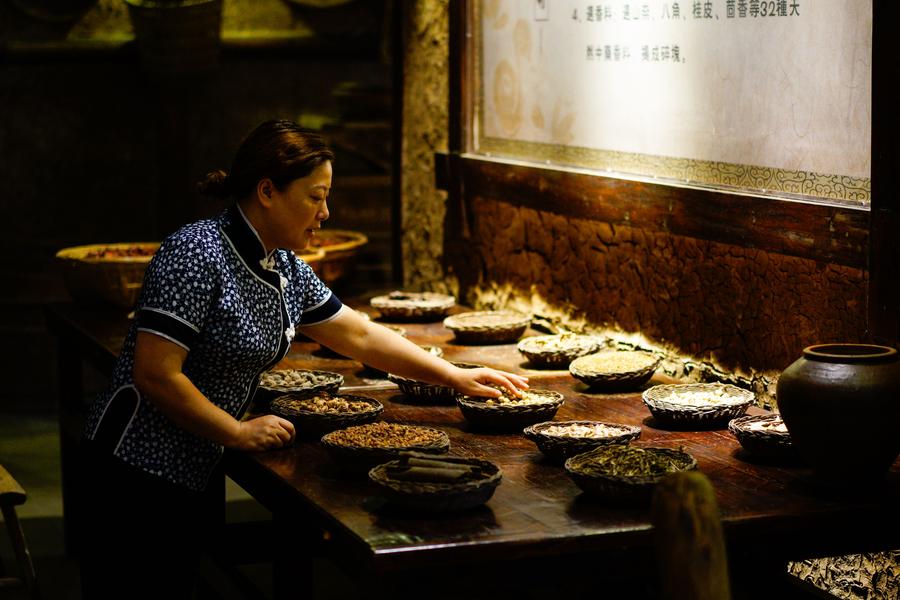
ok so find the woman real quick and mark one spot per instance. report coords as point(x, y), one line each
point(221, 301)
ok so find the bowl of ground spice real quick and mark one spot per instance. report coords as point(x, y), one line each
point(615, 370)
point(626, 474)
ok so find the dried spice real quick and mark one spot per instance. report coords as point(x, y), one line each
point(434, 470)
point(615, 362)
point(325, 403)
point(385, 435)
point(629, 461)
point(578, 430)
point(705, 397)
point(296, 378)
point(120, 252)
point(507, 398)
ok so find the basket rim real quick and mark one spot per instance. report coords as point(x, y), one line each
point(517, 319)
point(376, 408)
point(76, 253)
point(336, 378)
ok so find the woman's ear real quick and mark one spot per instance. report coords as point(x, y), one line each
point(264, 191)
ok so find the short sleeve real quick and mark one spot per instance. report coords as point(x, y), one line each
point(177, 290)
point(317, 303)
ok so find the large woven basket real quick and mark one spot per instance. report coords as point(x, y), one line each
point(767, 444)
point(106, 273)
point(341, 248)
point(439, 497)
point(413, 306)
point(560, 447)
point(428, 393)
point(611, 379)
point(557, 351)
point(488, 326)
point(622, 490)
point(311, 423)
point(662, 400)
point(359, 459)
point(504, 417)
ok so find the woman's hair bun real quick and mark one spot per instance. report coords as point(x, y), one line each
point(215, 183)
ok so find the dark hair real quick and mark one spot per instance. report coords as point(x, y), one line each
point(279, 149)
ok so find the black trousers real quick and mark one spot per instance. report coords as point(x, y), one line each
point(142, 535)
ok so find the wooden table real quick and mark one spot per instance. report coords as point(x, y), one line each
point(537, 525)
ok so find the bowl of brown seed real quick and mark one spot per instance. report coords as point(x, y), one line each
point(321, 413)
point(615, 370)
point(625, 474)
point(297, 382)
point(560, 440)
point(361, 447)
point(509, 411)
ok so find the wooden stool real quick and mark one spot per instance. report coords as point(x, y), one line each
point(11, 495)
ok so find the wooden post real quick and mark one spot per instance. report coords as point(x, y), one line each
point(690, 549)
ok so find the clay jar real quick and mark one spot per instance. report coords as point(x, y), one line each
point(841, 405)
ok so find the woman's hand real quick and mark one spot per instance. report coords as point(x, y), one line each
point(263, 433)
point(477, 382)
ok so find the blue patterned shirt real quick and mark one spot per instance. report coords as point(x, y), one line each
point(212, 289)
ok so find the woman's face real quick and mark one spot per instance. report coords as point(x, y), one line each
point(299, 209)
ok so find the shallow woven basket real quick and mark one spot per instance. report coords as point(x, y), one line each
point(515, 416)
point(488, 326)
point(312, 423)
point(435, 350)
point(558, 448)
point(111, 280)
point(614, 380)
point(771, 445)
point(331, 383)
point(357, 459)
point(341, 248)
point(659, 400)
point(439, 497)
point(413, 306)
point(621, 490)
point(564, 348)
point(428, 392)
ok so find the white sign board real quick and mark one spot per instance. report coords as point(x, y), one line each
point(768, 97)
